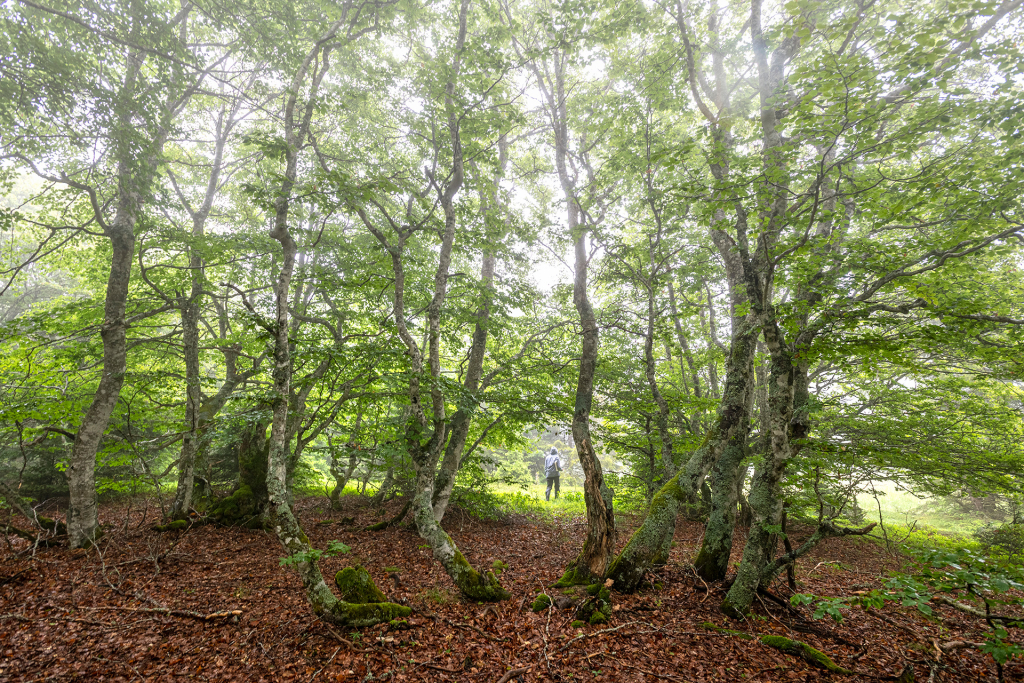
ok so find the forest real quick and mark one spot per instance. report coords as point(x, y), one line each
point(298, 296)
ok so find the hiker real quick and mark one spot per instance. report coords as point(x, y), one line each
point(552, 466)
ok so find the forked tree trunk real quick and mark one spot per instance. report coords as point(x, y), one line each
point(712, 559)
point(787, 423)
point(197, 414)
point(279, 513)
point(647, 545)
point(463, 418)
point(425, 435)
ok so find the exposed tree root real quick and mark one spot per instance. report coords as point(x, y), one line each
point(380, 526)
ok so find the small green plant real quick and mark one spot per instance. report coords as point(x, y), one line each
point(436, 596)
point(314, 555)
point(392, 570)
point(498, 566)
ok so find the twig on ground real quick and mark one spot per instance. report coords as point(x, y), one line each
point(343, 641)
point(509, 675)
point(645, 671)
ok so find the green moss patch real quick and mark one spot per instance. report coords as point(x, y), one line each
point(718, 629)
point(574, 577)
point(805, 652)
point(357, 587)
point(359, 616)
point(541, 603)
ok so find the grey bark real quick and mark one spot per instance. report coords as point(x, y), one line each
point(189, 307)
point(134, 176)
point(463, 418)
point(425, 434)
point(279, 512)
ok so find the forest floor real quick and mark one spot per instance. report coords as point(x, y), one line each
point(135, 610)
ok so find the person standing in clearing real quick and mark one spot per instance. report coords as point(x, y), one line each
point(552, 466)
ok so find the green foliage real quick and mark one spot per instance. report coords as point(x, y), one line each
point(1005, 541)
point(980, 579)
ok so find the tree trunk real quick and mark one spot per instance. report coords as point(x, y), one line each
point(190, 311)
point(647, 545)
point(592, 562)
point(83, 523)
point(426, 434)
point(463, 418)
point(712, 560)
point(765, 490)
point(279, 513)
point(190, 441)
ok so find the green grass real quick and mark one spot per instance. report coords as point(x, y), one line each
point(530, 501)
point(919, 522)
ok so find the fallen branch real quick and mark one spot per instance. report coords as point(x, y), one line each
point(42, 523)
point(173, 612)
point(437, 668)
point(597, 633)
point(1013, 622)
point(825, 530)
point(344, 641)
point(380, 526)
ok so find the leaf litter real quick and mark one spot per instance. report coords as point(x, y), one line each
point(213, 604)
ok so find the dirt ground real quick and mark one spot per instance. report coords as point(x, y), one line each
point(150, 606)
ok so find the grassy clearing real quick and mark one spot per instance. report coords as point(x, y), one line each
point(919, 522)
point(530, 501)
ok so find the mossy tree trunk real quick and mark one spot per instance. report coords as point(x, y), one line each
point(592, 562)
point(766, 498)
point(647, 545)
point(712, 559)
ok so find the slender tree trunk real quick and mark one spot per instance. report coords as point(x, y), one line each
point(425, 435)
point(190, 311)
point(592, 562)
point(83, 522)
point(193, 396)
point(463, 418)
point(279, 513)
